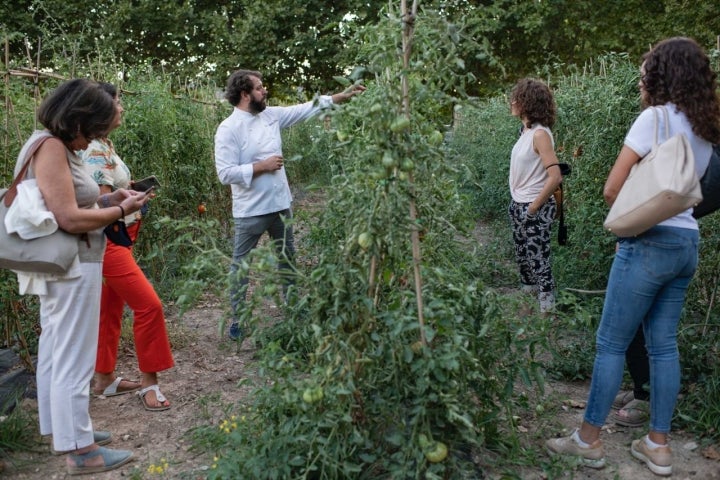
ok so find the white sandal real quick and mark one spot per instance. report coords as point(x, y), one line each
point(112, 389)
point(158, 394)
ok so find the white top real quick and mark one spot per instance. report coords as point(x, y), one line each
point(527, 173)
point(640, 140)
point(244, 138)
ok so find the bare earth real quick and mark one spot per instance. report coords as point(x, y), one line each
point(208, 369)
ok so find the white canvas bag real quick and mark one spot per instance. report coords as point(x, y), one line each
point(661, 185)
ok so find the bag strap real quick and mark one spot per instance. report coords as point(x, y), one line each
point(561, 212)
point(12, 191)
point(666, 118)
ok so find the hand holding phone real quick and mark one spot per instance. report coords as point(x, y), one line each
point(145, 184)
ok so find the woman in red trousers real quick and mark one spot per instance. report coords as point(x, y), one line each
point(125, 283)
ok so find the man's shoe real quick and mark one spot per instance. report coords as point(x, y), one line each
point(592, 456)
point(658, 460)
point(236, 332)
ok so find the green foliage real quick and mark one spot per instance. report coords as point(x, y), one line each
point(171, 137)
point(14, 432)
point(306, 146)
point(302, 44)
point(355, 381)
point(483, 136)
point(163, 134)
point(595, 108)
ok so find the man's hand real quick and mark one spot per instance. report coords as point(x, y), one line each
point(348, 93)
point(270, 164)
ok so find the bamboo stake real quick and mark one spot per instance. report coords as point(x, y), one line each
point(37, 85)
point(407, 38)
point(7, 99)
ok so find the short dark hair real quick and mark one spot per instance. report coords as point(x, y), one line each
point(77, 106)
point(240, 81)
point(535, 101)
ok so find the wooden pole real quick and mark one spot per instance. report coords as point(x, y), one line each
point(408, 17)
point(7, 100)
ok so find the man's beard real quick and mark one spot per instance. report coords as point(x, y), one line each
point(257, 106)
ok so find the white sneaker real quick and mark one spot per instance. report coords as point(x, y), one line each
point(592, 456)
point(658, 460)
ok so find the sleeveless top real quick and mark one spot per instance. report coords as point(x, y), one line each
point(92, 245)
point(527, 173)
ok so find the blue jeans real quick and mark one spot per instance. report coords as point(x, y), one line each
point(247, 234)
point(647, 285)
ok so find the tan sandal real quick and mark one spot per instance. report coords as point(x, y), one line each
point(635, 414)
point(622, 399)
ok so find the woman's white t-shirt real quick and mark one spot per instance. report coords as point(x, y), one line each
point(640, 139)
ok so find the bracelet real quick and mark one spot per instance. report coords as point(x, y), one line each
point(122, 212)
point(105, 201)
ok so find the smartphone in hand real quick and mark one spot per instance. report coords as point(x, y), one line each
point(145, 184)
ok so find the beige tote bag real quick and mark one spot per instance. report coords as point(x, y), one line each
point(661, 185)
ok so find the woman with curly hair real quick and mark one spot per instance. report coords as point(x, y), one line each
point(534, 176)
point(651, 272)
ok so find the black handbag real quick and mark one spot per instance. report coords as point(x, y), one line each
point(710, 186)
point(559, 194)
point(117, 233)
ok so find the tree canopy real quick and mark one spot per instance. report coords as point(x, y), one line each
point(300, 45)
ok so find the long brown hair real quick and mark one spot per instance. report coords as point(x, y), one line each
point(677, 70)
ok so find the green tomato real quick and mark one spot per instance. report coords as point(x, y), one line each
point(388, 160)
point(308, 396)
point(376, 108)
point(407, 165)
point(341, 136)
point(435, 138)
point(437, 452)
point(400, 124)
point(312, 395)
point(365, 240)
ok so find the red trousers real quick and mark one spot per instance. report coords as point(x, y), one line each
point(124, 282)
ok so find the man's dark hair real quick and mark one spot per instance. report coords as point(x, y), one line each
point(77, 106)
point(240, 81)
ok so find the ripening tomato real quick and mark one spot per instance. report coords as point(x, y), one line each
point(435, 138)
point(364, 240)
point(202, 208)
point(312, 395)
point(388, 160)
point(436, 452)
point(400, 124)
